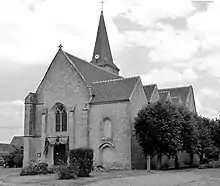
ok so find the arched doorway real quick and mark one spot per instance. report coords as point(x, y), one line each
point(59, 154)
point(107, 156)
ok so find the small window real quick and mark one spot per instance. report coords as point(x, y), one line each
point(64, 120)
point(57, 121)
point(61, 119)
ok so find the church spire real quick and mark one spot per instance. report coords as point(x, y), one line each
point(102, 55)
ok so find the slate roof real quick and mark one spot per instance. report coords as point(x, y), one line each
point(113, 90)
point(17, 141)
point(5, 148)
point(148, 90)
point(164, 95)
point(102, 47)
point(178, 91)
point(90, 72)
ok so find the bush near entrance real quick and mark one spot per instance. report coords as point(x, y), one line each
point(35, 168)
point(80, 164)
point(83, 159)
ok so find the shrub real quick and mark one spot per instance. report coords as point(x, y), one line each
point(18, 160)
point(214, 164)
point(52, 170)
point(35, 168)
point(66, 172)
point(165, 165)
point(81, 159)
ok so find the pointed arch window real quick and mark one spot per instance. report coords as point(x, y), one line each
point(61, 118)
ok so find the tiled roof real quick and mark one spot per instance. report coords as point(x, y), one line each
point(149, 89)
point(17, 141)
point(90, 72)
point(113, 90)
point(102, 47)
point(5, 148)
point(164, 95)
point(178, 91)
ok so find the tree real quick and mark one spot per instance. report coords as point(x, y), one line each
point(189, 132)
point(158, 129)
point(204, 137)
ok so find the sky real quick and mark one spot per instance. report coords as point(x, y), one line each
point(167, 42)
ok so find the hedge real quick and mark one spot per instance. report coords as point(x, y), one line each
point(81, 158)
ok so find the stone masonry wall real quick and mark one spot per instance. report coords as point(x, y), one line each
point(118, 114)
point(138, 100)
point(63, 84)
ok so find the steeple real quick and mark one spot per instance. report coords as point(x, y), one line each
point(102, 55)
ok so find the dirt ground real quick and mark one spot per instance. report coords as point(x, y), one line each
point(193, 177)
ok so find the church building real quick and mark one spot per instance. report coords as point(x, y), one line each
point(88, 104)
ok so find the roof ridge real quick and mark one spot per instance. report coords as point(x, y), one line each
point(84, 61)
point(175, 87)
point(111, 80)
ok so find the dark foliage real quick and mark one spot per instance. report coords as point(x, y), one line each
point(67, 171)
point(35, 168)
point(158, 129)
point(205, 138)
point(14, 158)
point(81, 158)
point(189, 133)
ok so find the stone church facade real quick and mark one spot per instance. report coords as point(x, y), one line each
point(82, 104)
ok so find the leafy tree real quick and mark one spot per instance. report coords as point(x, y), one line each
point(214, 126)
point(205, 138)
point(158, 129)
point(189, 132)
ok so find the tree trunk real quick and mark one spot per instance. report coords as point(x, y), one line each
point(159, 161)
point(176, 166)
point(148, 163)
point(191, 158)
point(201, 158)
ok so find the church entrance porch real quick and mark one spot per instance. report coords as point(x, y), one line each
point(56, 149)
point(59, 154)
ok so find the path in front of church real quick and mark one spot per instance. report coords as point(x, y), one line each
point(210, 177)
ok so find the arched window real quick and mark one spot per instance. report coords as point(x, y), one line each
point(107, 128)
point(61, 118)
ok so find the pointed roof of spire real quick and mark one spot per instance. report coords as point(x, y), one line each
point(102, 55)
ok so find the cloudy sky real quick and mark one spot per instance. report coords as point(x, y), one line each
point(167, 42)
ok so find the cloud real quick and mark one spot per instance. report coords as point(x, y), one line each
point(203, 25)
point(161, 76)
point(209, 92)
point(145, 12)
point(32, 36)
point(18, 102)
point(11, 119)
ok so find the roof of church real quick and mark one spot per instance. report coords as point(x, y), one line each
point(176, 100)
point(102, 55)
point(17, 141)
point(91, 72)
point(164, 95)
point(5, 148)
point(179, 91)
point(149, 89)
point(113, 90)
